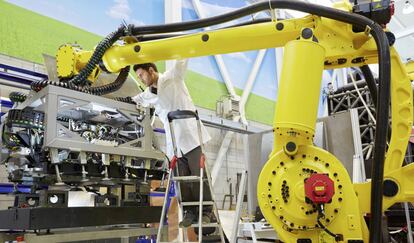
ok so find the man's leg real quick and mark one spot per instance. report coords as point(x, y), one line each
point(193, 158)
point(190, 212)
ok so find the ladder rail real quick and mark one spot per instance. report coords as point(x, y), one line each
point(181, 234)
point(204, 166)
point(200, 206)
point(216, 213)
point(164, 207)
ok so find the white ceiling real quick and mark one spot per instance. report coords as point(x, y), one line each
point(402, 25)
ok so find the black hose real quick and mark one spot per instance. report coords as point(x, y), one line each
point(370, 81)
point(150, 37)
point(384, 77)
point(318, 220)
point(340, 15)
point(255, 21)
point(112, 87)
point(349, 87)
point(100, 90)
point(39, 85)
point(142, 38)
point(17, 97)
point(79, 80)
point(97, 55)
point(127, 99)
point(381, 131)
point(327, 230)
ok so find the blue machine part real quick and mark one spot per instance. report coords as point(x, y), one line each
point(6, 188)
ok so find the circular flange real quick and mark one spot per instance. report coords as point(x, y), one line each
point(282, 192)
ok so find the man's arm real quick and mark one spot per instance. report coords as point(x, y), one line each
point(180, 68)
point(138, 98)
point(176, 73)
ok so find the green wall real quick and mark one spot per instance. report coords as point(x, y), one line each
point(25, 34)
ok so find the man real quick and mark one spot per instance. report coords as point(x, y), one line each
point(168, 92)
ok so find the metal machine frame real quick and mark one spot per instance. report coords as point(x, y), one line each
point(54, 100)
point(117, 234)
point(75, 217)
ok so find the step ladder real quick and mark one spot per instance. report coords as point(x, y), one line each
point(187, 114)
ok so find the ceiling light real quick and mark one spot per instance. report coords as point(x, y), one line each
point(408, 8)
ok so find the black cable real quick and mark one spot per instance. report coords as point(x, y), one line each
point(340, 15)
point(97, 55)
point(371, 83)
point(39, 85)
point(127, 99)
point(99, 90)
point(320, 215)
point(326, 229)
point(381, 132)
point(77, 82)
point(142, 38)
point(373, 90)
point(111, 87)
point(350, 87)
point(150, 37)
point(255, 21)
point(17, 97)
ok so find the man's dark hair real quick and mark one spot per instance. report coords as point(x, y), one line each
point(145, 66)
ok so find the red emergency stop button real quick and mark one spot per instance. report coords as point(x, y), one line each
point(319, 188)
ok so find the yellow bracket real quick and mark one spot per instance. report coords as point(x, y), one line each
point(404, 183)
point(410, 69)
point(70, 59)
point(401, 125)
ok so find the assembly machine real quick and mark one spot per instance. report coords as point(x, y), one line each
point(88, 161)
point(304, 192)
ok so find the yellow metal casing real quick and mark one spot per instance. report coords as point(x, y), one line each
point(287, 209)
point(70, 59)
point(298, 111)
point(281, 192)
point(401, 126)
point(410, 69)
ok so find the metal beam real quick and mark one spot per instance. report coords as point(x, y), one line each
point(13, 83)
point(23, 71)
point(249, 84)
point(105, 234)
point(239, 205)
point(220, 156)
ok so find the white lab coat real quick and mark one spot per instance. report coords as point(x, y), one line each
point(172, 94)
